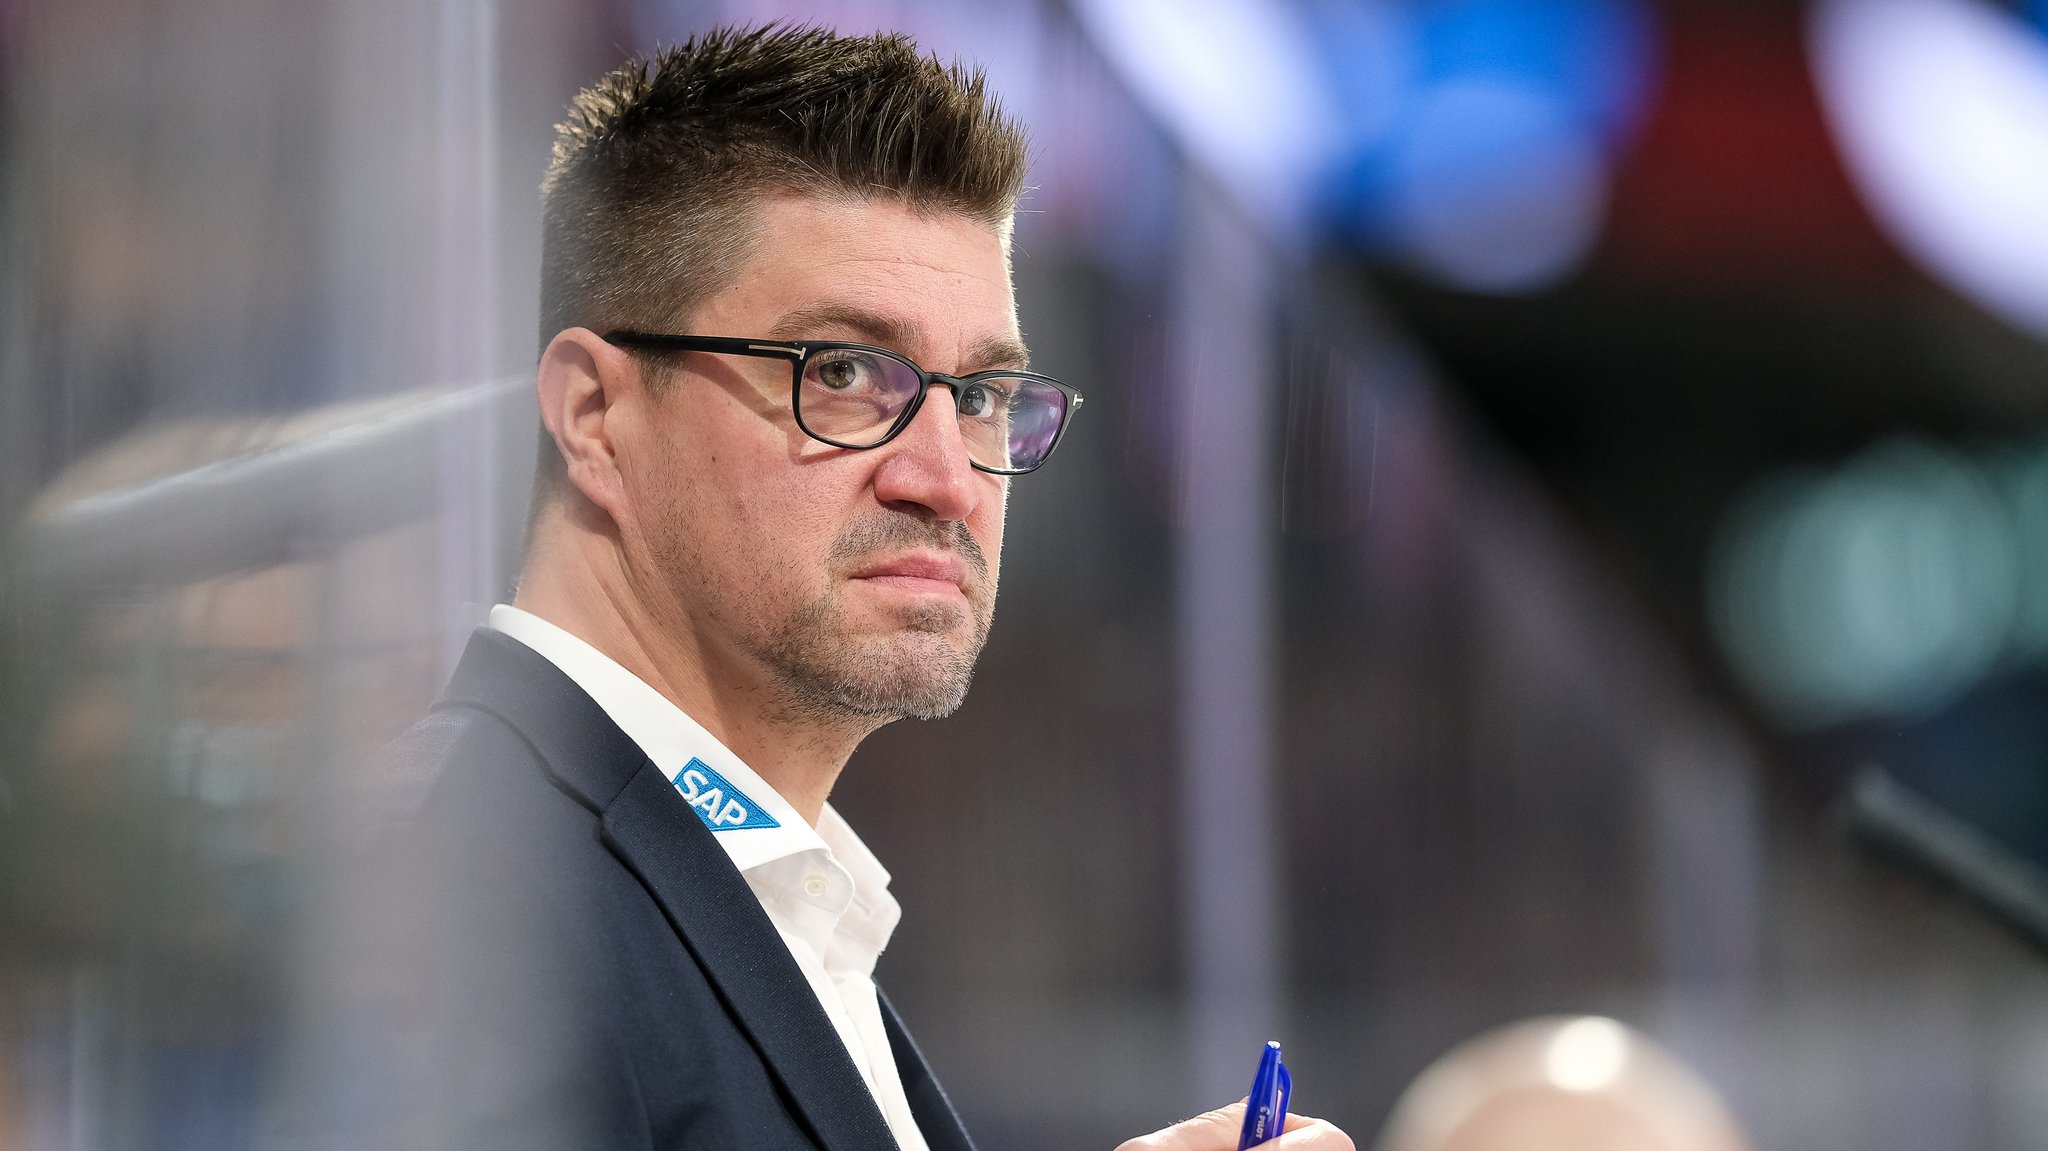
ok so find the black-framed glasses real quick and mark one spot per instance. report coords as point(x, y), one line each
point(860, 396)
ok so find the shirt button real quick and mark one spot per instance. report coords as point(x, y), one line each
point(814, 886)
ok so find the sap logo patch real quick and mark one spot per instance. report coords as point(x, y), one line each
point(719, 804)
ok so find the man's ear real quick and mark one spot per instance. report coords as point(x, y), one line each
point(580, 382)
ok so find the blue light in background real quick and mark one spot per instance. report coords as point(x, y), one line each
point(1590, 56)
point(1480, 132)
point(1495, 187)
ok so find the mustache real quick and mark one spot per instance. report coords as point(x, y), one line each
point(892, 531)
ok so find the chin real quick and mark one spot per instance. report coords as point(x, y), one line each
point(924, 678)
point(912, 662)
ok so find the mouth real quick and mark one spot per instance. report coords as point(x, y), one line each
point(924, 573)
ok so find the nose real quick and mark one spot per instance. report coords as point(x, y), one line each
point(926, 464)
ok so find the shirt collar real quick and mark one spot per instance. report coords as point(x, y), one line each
point(871, 918)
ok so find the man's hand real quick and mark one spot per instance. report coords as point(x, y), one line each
point(1218, 1130)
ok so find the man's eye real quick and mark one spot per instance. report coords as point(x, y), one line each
point(841, 375)
point(982, 401)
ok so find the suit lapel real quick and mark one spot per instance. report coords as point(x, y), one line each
point(654, 832)
point(647, 825)
point(935, 1115)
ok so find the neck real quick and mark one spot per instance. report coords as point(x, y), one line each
point(582, 587)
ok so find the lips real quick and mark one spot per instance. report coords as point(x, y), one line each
point(923, 572)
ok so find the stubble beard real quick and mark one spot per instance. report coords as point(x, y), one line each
point(826, 673)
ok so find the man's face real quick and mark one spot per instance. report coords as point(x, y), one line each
point(840, 583)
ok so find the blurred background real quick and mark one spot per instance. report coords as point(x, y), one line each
point(1559, 528)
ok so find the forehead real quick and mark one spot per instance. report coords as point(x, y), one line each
point(937, 281)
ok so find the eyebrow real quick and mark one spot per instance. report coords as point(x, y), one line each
point(894, 334)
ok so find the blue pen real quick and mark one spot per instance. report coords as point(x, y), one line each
point(1265, 1112)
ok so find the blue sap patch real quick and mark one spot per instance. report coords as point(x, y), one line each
point(719, 804)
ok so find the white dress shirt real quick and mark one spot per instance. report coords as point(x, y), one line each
point(826, 893)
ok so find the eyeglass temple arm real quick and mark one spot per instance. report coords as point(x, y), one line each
point(731, 345)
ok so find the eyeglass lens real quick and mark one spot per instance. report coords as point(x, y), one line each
point(855, 397)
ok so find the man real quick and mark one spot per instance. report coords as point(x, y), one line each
point(765, 525)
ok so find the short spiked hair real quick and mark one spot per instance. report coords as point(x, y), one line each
point(657, 168)
point(648, 202)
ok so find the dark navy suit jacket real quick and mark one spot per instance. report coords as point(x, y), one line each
point(604, 976)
